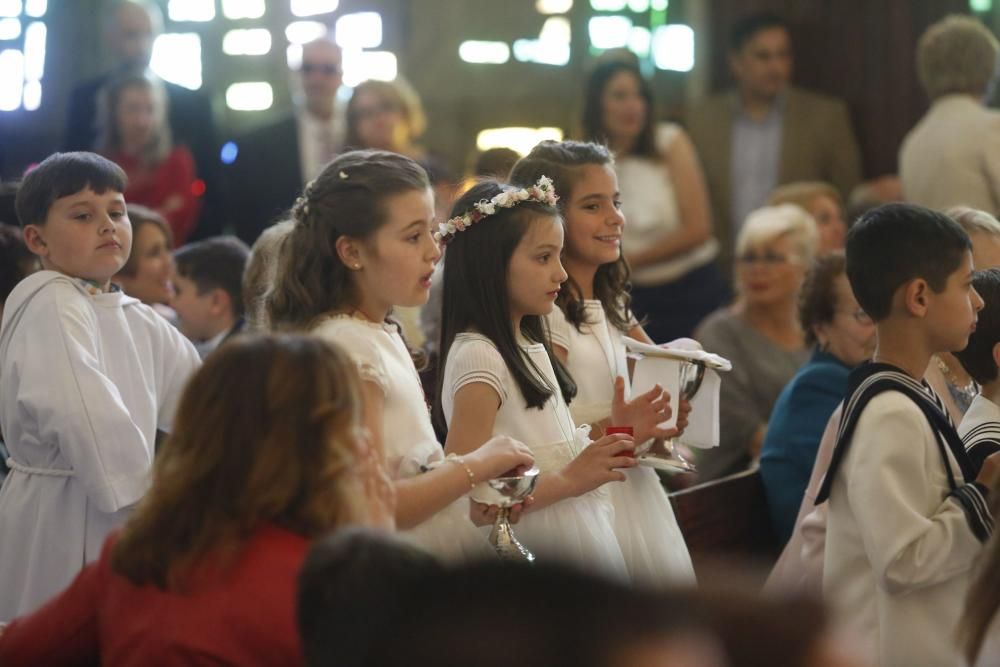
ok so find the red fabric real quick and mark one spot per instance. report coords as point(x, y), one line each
point(153, 187)
point(246, 617)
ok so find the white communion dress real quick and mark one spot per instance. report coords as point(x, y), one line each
point(410, 444)
point(578, 530)
point(647, 530)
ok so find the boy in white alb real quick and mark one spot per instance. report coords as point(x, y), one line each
point(87, 377)
point(908, 510)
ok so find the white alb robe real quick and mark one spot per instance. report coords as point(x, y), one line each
point(85, 381)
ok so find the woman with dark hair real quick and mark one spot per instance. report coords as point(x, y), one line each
point(135, 134)
point(668, 241)
point(206, 568)
point(842, 336)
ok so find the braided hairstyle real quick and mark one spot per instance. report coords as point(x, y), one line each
point(346, 199)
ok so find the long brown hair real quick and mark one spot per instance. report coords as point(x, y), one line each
point(264, 434)
point(561, 161)
point(982, 603)
point(346, 199)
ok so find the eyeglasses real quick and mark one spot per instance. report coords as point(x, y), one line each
point(861, 317)
point(328, 69)
point(767, 258)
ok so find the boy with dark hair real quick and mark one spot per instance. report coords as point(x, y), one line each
point(87, 377)
point(908, 510)
point(980, 428)
point(208, 287)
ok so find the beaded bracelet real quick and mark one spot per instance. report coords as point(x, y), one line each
point(468, 471)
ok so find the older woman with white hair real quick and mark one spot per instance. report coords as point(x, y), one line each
point(760, 333)
point(952, 156)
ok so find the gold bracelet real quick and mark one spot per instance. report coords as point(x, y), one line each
point(468, 471)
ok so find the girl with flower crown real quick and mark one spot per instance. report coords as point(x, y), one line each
point(361, 243)
point(502, 275)
point(587, 331)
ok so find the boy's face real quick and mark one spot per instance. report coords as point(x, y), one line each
point(200, 315)
point(951, 314)
point(85, 235)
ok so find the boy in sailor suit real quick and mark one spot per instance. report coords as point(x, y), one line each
point(908, 510)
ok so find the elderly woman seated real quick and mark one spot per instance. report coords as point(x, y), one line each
point(843, 336)
point(759, 333)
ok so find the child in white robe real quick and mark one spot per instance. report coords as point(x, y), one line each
point(87, 376)
point(908, 511)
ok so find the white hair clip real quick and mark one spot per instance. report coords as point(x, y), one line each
point(343, 175)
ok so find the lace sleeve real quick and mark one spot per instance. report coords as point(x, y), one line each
point(370, 373)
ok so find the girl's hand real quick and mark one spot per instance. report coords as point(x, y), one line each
point(598, 464)
point(643, 413)
point(497, 457)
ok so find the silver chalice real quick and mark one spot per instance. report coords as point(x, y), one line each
point(692, 373)
point(505, 492)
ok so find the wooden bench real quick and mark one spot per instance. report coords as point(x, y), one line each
point(726, 519)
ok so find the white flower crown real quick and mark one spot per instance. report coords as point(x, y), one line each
point(542, 191)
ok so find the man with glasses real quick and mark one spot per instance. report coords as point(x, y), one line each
point(274, 162)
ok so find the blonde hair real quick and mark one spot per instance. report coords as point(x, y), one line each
point(804, 193)
point(280, 450)
point(772, 222)
point(974, 221)
point(956, 55)
point(258, 277)
point(400, 93)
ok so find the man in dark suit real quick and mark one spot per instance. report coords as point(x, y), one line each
point(129, 32)
point(275, 161)
point(766, 133)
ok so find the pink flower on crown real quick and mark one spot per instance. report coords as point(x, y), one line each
point(460, 224)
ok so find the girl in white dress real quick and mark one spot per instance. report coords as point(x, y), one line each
point(362, 244)
point(502, 273)
point(587, 331)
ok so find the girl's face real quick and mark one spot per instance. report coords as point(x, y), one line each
point(593, 217)
point(535, 273)
point(154, 267)
point(136, 116)
point(380, 121)
point(770, 273)
point(398, 261)
point(623, 108)
point(850, 335)
point(830, 222)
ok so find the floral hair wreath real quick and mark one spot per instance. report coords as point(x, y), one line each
point(542, 191)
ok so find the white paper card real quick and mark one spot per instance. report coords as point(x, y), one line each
point(703, 423)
